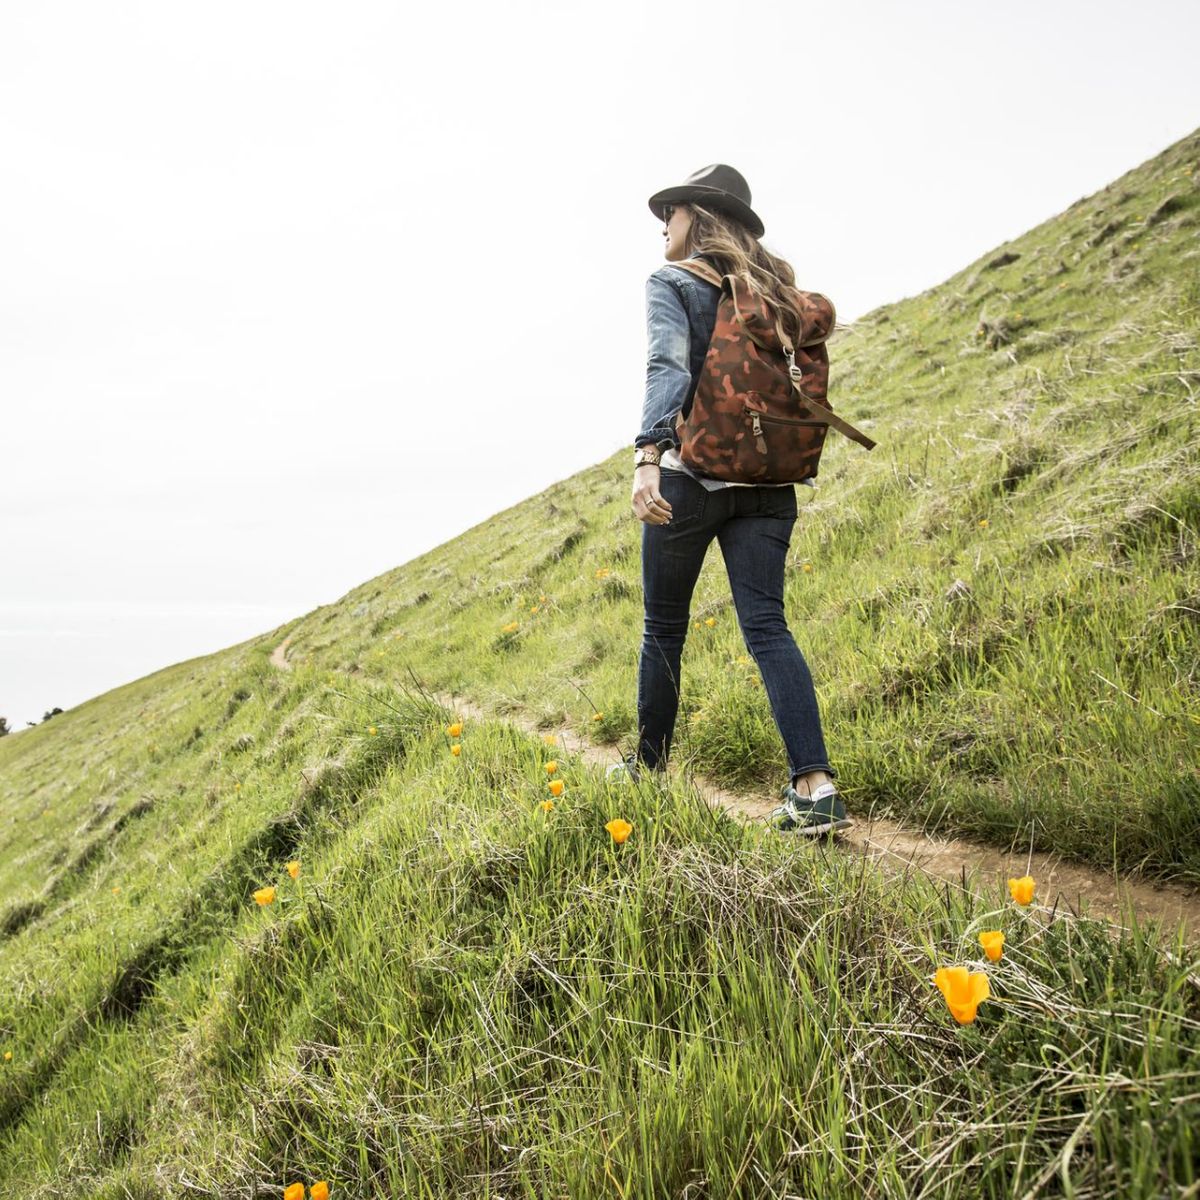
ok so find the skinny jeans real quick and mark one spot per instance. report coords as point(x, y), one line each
point(753, 527)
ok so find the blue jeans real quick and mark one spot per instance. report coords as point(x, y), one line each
point(753, 526)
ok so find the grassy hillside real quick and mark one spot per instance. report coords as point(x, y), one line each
point(1000, 603)
point(463, 995)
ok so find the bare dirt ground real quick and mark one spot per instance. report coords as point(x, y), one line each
point(900, 851)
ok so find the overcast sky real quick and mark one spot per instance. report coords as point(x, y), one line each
point(292, 293)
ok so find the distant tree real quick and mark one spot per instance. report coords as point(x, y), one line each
point(4, 726)
point(53, 712)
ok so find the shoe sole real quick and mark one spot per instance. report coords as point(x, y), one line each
point(816, 830)
point(828, 827)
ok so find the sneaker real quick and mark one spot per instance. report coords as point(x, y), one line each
point(822, 812)
point(627, 768)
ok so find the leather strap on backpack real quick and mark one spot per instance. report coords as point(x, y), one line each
point(819, 411)
point(698, 267)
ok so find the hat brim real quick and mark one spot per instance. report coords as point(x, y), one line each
point(715, 198)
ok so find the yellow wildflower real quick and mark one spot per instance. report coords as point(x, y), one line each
point(265, 895)
point(293, 868)
point(710, 621)
point(556, 787)
point(456, 749)
point(619, 830)
point(547, 805)
point(992, 941)
point(551, 767)
point(964, 991)
point(319, 1190)
point(454, 730)
point(1021, 889)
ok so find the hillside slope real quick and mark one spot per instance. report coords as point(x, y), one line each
point(463, 994)
point(999, 603)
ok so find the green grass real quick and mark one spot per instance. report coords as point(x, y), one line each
point(463, 996)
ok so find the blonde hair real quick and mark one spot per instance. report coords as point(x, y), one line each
point(736, 251)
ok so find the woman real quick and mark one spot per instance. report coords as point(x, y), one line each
point(709, 216)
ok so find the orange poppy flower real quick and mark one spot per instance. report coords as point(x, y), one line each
point(992, 941)
point(549, 739)
point(455, 729)
point(551, 767)
point(265, 895)
point(319, 1190)
point(547, 805)
point(293, 1191)
point(456, 749)
point(964, 991)
point(556, 787)
point(620, 830)
point(1021, 889)
point(293, 869)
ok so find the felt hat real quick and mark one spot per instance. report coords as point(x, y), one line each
point(716, 186)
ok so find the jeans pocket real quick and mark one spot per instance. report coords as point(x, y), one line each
point(685, 496)
point(778, 502)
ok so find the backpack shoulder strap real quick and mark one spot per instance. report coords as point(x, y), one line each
point(698, 267)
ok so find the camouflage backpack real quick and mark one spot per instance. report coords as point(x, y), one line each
point(760, 412)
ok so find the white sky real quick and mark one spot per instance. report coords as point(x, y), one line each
point(291, 293)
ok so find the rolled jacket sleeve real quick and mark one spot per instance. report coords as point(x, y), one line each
point(668, 375)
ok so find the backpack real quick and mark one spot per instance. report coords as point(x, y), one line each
point(760, 412)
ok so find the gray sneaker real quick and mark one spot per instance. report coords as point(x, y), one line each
point(822, 812)
point(627, 768)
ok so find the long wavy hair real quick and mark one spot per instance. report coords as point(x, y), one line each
point(736, 251)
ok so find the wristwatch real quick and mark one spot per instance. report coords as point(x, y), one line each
point(651, 452)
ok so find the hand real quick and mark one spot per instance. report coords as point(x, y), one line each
point(648, 503)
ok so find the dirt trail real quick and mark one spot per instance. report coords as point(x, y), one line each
point(279, 656)
point(899, 850)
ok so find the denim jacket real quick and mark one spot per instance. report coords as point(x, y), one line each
point(676, 303)
point(681, 310)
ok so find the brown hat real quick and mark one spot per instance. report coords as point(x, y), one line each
point(719, 186)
